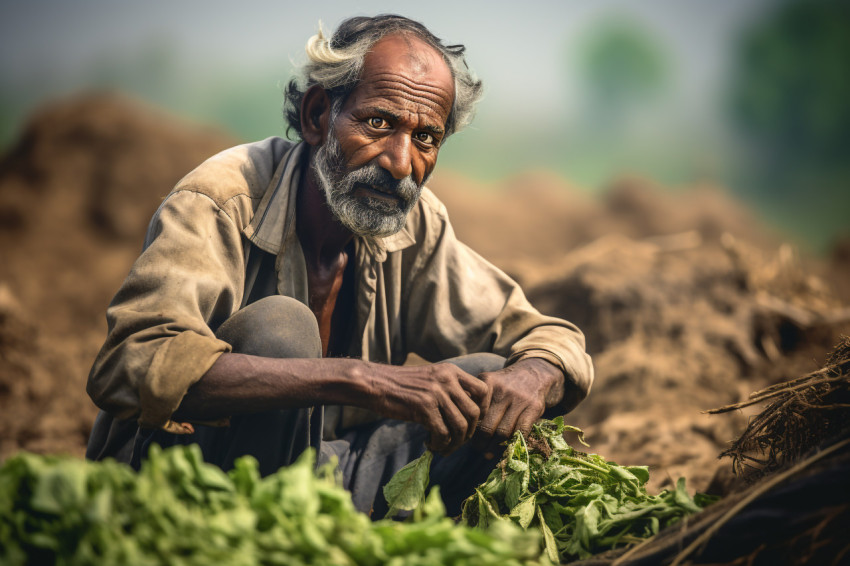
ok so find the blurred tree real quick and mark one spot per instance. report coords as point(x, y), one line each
point(623, 69)
point(790, 99)
point(624, 77)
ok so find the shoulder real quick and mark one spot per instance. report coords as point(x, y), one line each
point(241, 171)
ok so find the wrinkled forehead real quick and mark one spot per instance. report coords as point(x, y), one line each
point(410, 72)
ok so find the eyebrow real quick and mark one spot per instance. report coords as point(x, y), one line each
point(386, 113)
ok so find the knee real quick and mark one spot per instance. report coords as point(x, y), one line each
point(478, 363)
point(273, 327)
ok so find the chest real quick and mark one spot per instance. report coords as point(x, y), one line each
point(366, 313)
point(330, 294)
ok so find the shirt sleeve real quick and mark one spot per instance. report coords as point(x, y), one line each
point(188, 279)
point(460, 303)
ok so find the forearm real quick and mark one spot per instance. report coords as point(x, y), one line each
point(241, 384)
point(441, 397)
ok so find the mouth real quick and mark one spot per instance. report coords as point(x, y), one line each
point(372, 191)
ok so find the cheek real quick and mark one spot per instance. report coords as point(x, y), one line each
point(424, 166)
point(357, 147)
point(359, 150)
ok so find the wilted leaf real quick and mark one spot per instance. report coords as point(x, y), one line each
point(406, 490)
point(524, 511)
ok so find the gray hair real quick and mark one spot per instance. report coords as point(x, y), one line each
point(336, 64)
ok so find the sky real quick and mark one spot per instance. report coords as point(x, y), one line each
point(518, 48)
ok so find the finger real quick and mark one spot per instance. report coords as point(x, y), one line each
point(439, 436)
point(454, 385)
point(508, 424)
point(447, 424)
point(482, 439)
point(501, 428)
point(468, 408)
point(457, 423)
point(477, 388)
point(525, 421)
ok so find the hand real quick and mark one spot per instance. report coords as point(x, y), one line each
point(447, 401)
point(519, 394)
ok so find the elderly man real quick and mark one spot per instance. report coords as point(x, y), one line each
point(282, 286)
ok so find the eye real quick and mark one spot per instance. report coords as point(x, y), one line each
point(378, 123)
point(425, 137)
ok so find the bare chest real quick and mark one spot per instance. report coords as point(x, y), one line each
point(330, 298)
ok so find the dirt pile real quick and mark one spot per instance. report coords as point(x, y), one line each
point(529, 224)
point(76, 193)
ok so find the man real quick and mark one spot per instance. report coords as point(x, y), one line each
point(281, 278)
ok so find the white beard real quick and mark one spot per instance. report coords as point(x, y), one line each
point(362, 215)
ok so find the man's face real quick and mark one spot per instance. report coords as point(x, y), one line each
point(383, 144)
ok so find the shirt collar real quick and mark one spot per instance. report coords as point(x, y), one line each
point(273, 225)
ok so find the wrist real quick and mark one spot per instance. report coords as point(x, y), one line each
point(355, 384)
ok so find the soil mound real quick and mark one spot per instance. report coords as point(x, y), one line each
point(76, 194)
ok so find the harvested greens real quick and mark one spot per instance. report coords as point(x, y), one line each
point(179, 510)
point(581, 503)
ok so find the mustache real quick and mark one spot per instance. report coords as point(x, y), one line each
point(382, 180)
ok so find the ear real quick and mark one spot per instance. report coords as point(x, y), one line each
point(315, 113)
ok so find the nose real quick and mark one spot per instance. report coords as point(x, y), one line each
point(396, 157)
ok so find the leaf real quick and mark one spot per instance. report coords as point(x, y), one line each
point(580, 434)
point(517, 465)
point(179, 509)
point(587, 524)
point(406, 490)
point(551, 515)
point(524, 511)
point(641, 472)
point(513, 490)
point(548, 538)
point(433, 506)
point(486, 512)
point(683, 499)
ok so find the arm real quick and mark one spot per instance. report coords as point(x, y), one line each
point(159, 341)
point(461, 303)
point(441, 397)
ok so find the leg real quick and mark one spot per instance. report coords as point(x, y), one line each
point(478, 363)
point(275, 327)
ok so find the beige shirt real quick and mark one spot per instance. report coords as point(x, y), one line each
point(419, 290)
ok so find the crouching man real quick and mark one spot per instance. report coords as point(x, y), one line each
point(282, 285)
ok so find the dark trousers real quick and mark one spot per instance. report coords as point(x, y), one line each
point(368, 455)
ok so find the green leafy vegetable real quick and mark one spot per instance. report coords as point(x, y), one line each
point(581, 503)
point(406, 490)
point(178, 510)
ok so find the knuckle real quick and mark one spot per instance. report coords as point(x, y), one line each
point(430, 404)
point(537, 407)
point(486, 429)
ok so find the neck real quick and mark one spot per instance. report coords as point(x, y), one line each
point(323, 237)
